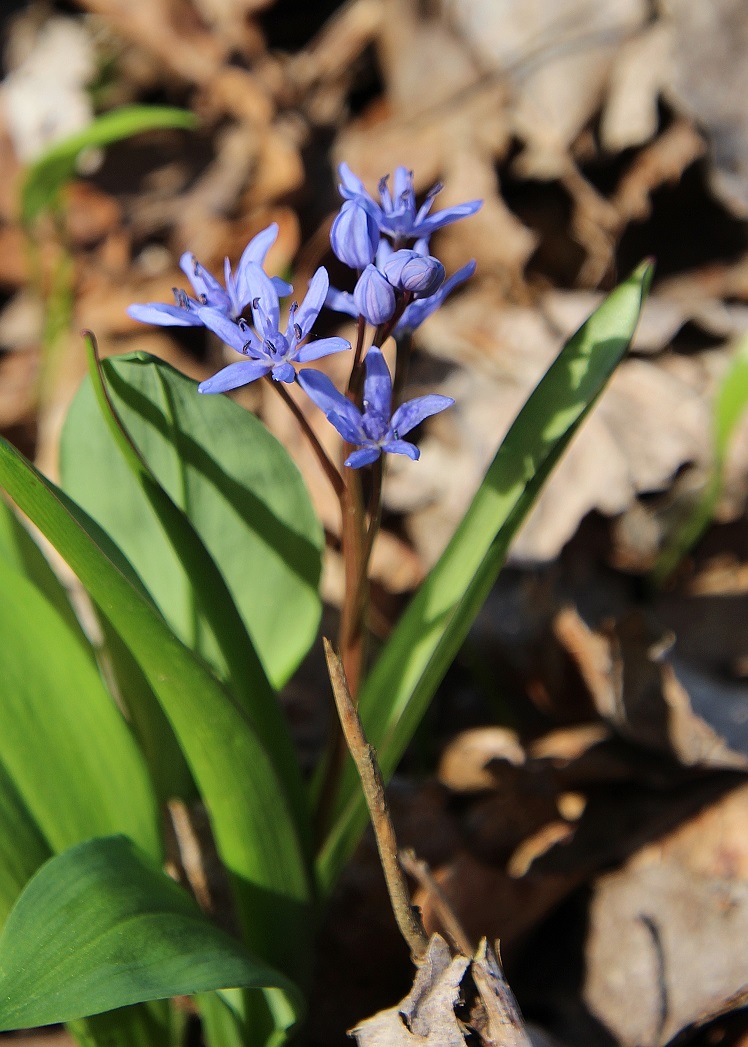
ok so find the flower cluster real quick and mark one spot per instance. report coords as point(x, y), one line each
point(399, 284)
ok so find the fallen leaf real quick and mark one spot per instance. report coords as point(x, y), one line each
point(668, 939)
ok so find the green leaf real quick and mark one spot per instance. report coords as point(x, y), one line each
point(240, 490)
point(47, 175)
point(731, 400)
point(64, 743)
point(20, 550)
point(22, 846)
point(729, 406)
point(428, 636)
point(251, 815)
point(101, 927)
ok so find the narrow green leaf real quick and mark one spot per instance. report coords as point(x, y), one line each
point(101, 927)
point(731, 400)
point(20, 550)
point(427, 638)
point(729, 406)
point(251, 816)
point(63, 742)
point(22, 846)
point(50, 172)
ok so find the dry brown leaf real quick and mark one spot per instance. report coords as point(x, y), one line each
point(708, 78)
point(443, 985)
point(631, 117)
point(558, 58)
point(635, 688)
point(465, 764)
point(668, 939)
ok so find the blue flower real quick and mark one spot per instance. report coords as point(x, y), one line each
point(229, 300)
point(374, 296)
point(420, 274)
point(269, 350)
point(354, 236)
point(415, 313)
point(422, 308)
point(375, 429)
point(397, 215)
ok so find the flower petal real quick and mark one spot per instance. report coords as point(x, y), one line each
point(354, 236)
point(164, 315)
point(350, 182)
point(374, 296)
point(323, 393)
point(365, 456)
point(284, 372)
point(377, 384)
point(254, 254)
point(229, 331)
point(234, 376)
point(402, 447)
point(341, 302)
point(282, 287)
point(203, 282)
point(266, 314)
point(422, 308)
point(350, 431)
point(314, 299)
point(321, 347)
point(409, 414)
point(447, 216)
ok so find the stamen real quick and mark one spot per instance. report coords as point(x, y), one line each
point(298, 332)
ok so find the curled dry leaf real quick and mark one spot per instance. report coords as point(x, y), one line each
point(453, 1001)
point(635, 688)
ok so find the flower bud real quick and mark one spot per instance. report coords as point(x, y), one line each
point(374, 296)
point(422, 275)
point(354, 235)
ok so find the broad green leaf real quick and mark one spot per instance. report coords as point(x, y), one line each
point(428, 636)
point(63, 741)
point(56, 166)
point(99, 927)
point(236, 483)
point(251, 815)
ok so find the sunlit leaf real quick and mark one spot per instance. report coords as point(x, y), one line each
point(99, 927)
point(428, 636)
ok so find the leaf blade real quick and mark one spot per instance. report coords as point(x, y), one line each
point(100, 927)
point(429, 634)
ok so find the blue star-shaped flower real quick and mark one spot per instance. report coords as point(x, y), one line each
point(397, 215)
point(269, 350)
point(375, 429)
point(230, 300)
